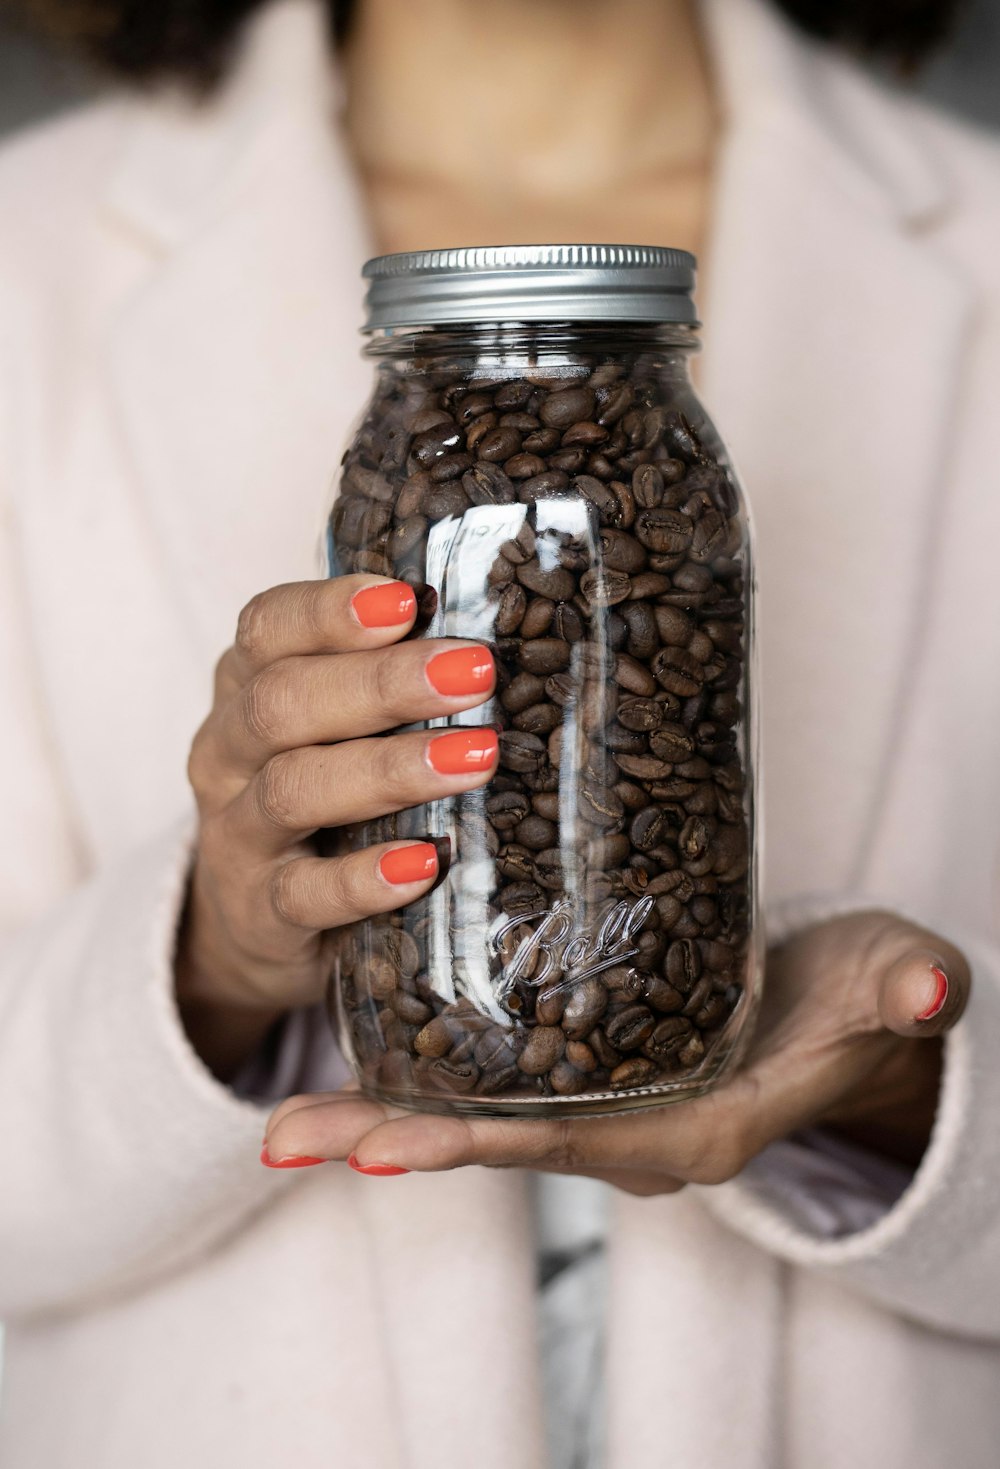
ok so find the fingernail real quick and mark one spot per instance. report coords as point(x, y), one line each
point(940, 995)
point(463, 751)
point(461, 672)
point(409, 864)
point(375, 1170)
point(269, 1162)
point(385, 605)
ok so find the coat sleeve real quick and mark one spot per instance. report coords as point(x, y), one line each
point(123, 1157)
point(933, 1254)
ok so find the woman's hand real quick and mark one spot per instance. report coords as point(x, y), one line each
point(316, 670)
point(847, 1038)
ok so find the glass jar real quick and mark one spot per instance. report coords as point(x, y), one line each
point(535, 463)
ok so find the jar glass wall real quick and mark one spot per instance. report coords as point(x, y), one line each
point(557, 492)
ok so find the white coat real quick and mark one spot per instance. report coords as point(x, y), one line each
point(179, 297)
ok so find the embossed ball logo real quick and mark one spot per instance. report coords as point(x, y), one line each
point(557, 947)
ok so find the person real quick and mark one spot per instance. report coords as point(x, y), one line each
point(179, 293)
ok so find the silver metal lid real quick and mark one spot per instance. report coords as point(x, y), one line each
point(509, 283)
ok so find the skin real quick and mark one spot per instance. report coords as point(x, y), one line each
point(287, 747)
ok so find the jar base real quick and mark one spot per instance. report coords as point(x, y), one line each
point(595, 1104)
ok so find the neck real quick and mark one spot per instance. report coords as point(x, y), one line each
point(521, 110)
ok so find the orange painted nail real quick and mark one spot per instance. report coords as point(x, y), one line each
point(462, 672)
point(940, 995)
point(387, 604)
point(375, 1170)
point(463, 751)
point(409, 864)
point(269, 1162)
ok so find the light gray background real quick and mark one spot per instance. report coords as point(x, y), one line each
point(34, 83)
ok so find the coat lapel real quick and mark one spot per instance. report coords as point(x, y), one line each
point(835, 334)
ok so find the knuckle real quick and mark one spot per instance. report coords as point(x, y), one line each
point(199, 766)
point(278, 794)
point(562, 1150)
point(349, 887)
point(266, 705)
point(287, 895)
point(253, 627)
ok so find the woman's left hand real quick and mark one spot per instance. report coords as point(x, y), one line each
point(848, 1038)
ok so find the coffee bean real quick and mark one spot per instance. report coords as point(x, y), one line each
point(584, 1006)
point(605, 588)
point(637, 1072)
point(648, 828)
point(640, 715)
point(664, 531)
point(544, 655)
point(550, 582)
point(647, 486)
point(521, 751)
point(571, 405)
point(544, 1047)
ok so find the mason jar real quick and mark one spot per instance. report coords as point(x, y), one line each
point(534, 461)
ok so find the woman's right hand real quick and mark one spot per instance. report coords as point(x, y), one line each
point(316, 670)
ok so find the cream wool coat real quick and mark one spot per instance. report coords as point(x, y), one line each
point(178, 367)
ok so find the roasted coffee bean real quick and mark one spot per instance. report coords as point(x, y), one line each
point(523, 690)
point(507, 810)
point(643, 634)
point(621, 552)
point(599, 804)
point(487, 484)
point(580, 1056)
point(637, 1072)
point(629, 1028)
point(605, 588)
point(634, 676)
point(538, 719)
point(571, 405)
point(647, 486)
point(567, 623)
point(521, 751)
point(640, 715)
point(648, 828)
point(551, 482)
point(511, 603)
point(544, 1047)
point(585, 1004)
point(683, 964)
point(544, 655)
point(666, 532)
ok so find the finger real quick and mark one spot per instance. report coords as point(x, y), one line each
point(319, 700)
point(319, 893)
point(924, 992)
point(301, 790)
point(701, 1141)
point(323, 1125)
point(340, 615)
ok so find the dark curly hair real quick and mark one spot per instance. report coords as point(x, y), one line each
point(142, 40)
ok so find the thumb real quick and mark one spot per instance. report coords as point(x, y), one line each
point(924, 994)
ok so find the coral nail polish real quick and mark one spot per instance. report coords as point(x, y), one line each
point(269, 1162)
point(940, 996)
point(463, 751)
point(409, 864)
point(388, 604)
point(462, 672)
point(375, 1170)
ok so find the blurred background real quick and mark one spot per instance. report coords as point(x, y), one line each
point(35, 83)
